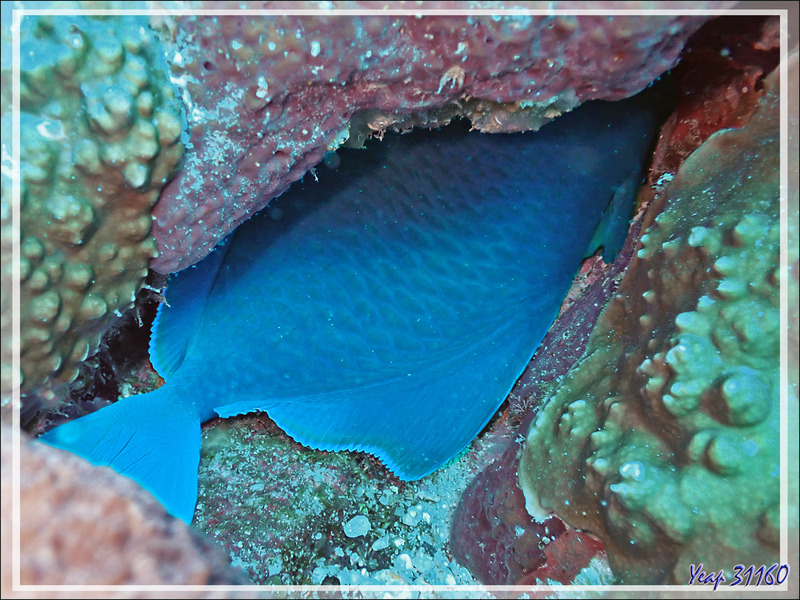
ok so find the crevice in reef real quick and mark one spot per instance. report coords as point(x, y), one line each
point(119, 368)
point(262, 493)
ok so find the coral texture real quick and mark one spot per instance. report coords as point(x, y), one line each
point(719, 83)
point(497, 539)
point(663, 440)
point(492, 530)
point(100, 130)
point(266, 98)
point(83, 525)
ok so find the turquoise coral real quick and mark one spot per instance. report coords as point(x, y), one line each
point(100, 132)
point(663, 439)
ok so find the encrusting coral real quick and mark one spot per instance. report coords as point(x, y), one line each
point(266, 99)
point(100, 130)
point(492, 532)
point(663, 439)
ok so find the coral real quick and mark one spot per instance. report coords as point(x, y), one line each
point(662, 440)
point(266, 99)
point(501, 544)
point(491, 531)
point(120, 367)
point(719, 79)
point(82, 525)
point(100, 130)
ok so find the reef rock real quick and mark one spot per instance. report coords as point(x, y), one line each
point(663, 439)
point(267, 98)
point(100, 130)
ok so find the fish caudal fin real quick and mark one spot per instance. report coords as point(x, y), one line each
point(146, 438)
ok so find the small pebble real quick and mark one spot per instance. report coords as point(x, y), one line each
point(427, 495)
point(413, 516)
point(357, 526)
point(422, 562)
point(403, 562)
point(275, 567)
point(381, 544)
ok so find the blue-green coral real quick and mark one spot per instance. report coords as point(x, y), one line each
point(100, 130)
point(663, 439)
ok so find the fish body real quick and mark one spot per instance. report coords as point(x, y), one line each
point(387, 308)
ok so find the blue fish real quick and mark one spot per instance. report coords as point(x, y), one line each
point(387, 308)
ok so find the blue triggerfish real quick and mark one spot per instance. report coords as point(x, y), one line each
point(387, 308)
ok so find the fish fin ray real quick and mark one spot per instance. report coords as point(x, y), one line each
point(145, 438)
point(375, 419)
point(173, 330)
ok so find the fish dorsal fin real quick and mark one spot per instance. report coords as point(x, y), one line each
point(173, 330)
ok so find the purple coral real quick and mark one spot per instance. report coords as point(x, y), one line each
point(267, 97)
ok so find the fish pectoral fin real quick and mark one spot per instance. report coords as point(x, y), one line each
point(615, 220)
point(146, 438)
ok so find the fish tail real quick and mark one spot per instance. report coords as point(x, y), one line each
point(148, 438)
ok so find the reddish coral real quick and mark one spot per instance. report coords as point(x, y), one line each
point(266, 98)
point(492, 511)
point(81, 524)
point(719, 80)
point(646, 415)
point(564, 558)
point(493, 535)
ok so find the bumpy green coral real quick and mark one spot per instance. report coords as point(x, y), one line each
point(663, 440)
point(100, 130)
